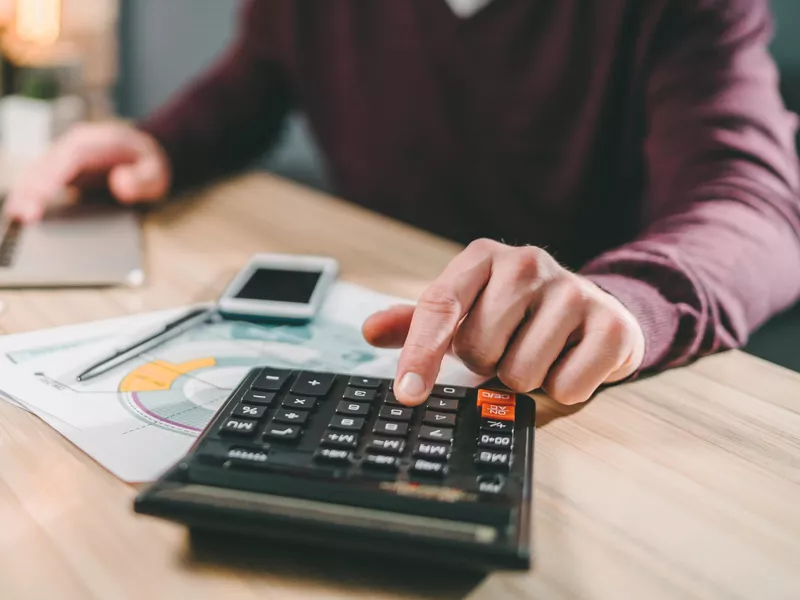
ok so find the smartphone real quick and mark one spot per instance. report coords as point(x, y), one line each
point(279, 287)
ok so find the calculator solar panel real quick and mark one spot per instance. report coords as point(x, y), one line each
point(334, 459)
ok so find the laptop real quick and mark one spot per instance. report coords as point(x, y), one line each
point(89, 244)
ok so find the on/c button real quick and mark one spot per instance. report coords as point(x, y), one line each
point(496, 397)
point(500, 412)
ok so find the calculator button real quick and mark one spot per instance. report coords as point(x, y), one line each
point(294, 417)
point(500, 412)
point(256, 397)
point(380, 461)
point(352, 408)
point(312, 384)
point(494, 442)
point(335, 455)
point(364, 382)
point(490, 484)
point(299, 402)
point(389, 428)
point(246, 457)
point(271, 380)
point(282, 432)
point(386, 445)
point(347, 423)
point(440, 419)
point(449, 391)
point(432, 450)
point(359, 395)
point(495, 460)
point(391, 400)
point(249, 411)
point(444, 404)
point(336, 439)
point(428, 467)
point(496, 397)
point(395, 413)
point(497, 426)
point(239, 427)
point(436, 434)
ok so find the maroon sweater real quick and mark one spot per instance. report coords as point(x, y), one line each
point(643, 143)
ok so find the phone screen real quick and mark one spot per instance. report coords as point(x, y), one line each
point(278, 285)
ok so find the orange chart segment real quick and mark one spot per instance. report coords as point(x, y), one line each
point(159, 375)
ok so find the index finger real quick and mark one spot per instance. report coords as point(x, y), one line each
point(436, 317)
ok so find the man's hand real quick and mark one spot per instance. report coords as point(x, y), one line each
point(131, 163)
point(515, 313)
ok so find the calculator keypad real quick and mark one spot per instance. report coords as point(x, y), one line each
point(299, 402)
point(396, 413)
point(312, 384)
point(282, 432)
point(347, 423)
point(390, 428)
point(356, 423)
point(339, 439)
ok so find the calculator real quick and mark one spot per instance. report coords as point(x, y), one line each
point(330, 459)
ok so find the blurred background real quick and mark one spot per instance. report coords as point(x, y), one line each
point(65, 60)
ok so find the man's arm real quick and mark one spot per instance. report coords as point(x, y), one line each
point(721, 253)
point(232, 112)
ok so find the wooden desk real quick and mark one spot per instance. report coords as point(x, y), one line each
point(684, 485)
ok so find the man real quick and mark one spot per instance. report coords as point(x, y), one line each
point(634, 157)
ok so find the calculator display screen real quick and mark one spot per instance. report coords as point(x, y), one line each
point(278, 285)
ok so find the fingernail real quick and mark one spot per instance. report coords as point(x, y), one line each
point(412, 385)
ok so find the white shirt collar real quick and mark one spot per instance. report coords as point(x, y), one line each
point(466, 8)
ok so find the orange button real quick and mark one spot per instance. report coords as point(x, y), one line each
point(496, 397)
point(500, 412)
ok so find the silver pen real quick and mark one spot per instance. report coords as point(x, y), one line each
point(193, 317)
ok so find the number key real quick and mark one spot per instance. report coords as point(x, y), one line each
point(439, 419)
point(352, 408)
point(395, 413)
point(391, 400)
point(435, 434)
point(443, 404)
point(347, 423)
point(388, 428)
point(449, 391)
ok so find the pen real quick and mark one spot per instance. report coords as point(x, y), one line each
point(150, 340)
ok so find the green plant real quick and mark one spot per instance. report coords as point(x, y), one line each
point(38, 84)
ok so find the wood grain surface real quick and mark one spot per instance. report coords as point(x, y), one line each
point(681, 485)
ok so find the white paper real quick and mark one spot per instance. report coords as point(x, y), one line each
point(140, 418)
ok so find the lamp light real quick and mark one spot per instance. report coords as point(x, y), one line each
point(38, 21)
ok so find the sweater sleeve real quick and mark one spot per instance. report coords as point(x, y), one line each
point(231, 113)
point(720, 251)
